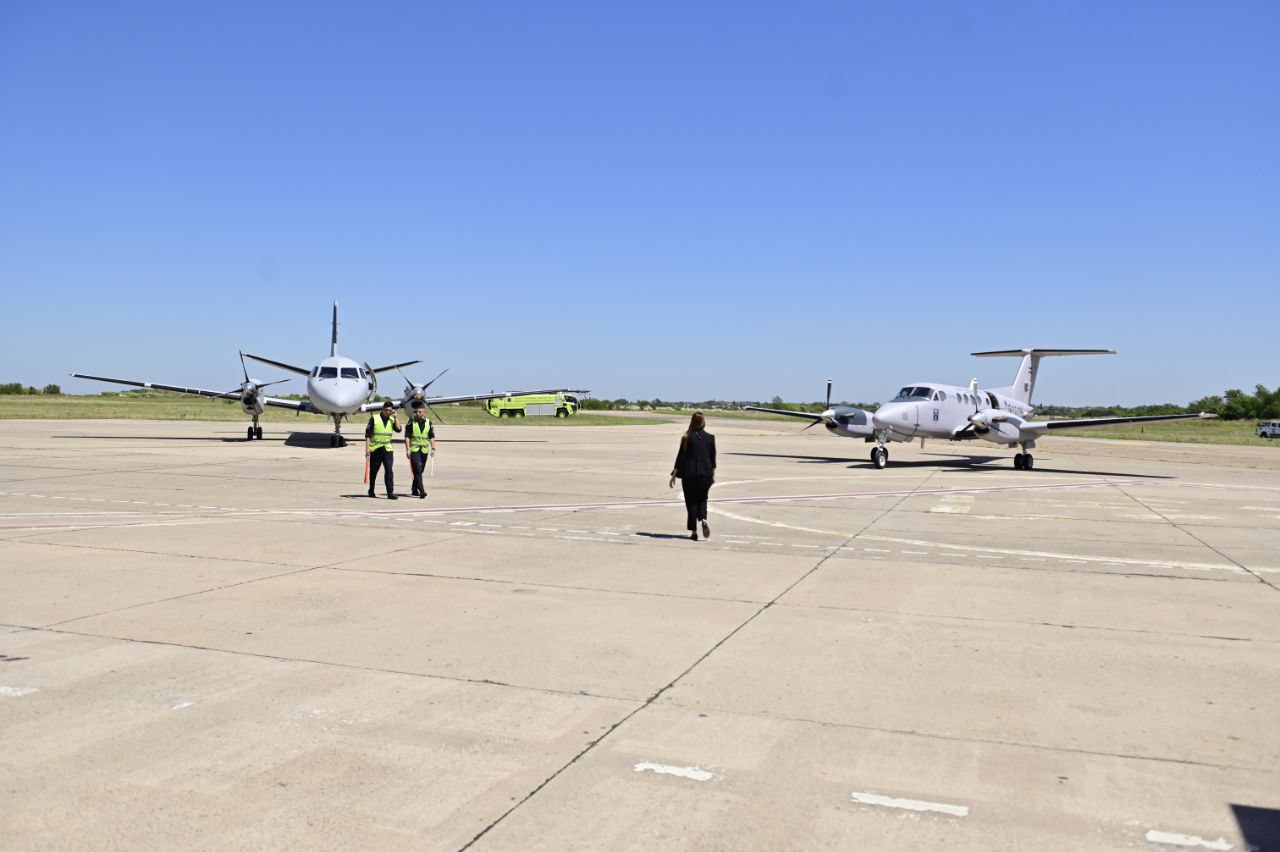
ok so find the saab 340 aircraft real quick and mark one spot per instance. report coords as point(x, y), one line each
point(932, 410)
point(336, 387)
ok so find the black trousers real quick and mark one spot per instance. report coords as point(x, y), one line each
point(418, 461)
point(382, 458)
point(696, 489)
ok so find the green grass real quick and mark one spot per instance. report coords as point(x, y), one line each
point(164, 406)
point(1185, 431)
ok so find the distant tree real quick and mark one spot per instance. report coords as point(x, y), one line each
point(32, 391)
point(776, 402)
point(52, 390)
point(11, 388)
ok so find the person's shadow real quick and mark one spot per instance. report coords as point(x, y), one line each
point(661, 535)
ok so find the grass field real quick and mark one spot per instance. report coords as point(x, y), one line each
point(178, 407)
point(1184, 431)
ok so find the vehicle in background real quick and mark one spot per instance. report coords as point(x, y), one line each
point(533, 405)
point(1268, 429)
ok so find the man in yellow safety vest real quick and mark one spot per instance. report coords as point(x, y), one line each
point(377, 446)
point(419, 445)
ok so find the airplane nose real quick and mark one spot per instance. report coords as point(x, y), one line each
point(895, 416)
point(881, 418)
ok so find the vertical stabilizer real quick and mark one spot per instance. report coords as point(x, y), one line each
point(333, 348)
point(1024, 383)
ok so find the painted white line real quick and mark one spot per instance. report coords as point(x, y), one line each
point(910, 804)
point(16, 691)
point(876, 550)
point(1069, 557)
point(183, 706)
point(917, 552)
point(1170, 838)
point(989, 556)
point(693, 773)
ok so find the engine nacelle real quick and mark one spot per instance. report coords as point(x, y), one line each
point(848, 421)
point(997, 426)
point(250, 399)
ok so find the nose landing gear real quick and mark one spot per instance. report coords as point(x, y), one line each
point(336, 439)
point(880, 453)
point(254, 431)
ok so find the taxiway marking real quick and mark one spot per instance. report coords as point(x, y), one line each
point(1170, 838)
point(693, 773)
point(910, 804)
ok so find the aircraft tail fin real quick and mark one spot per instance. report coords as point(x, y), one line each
point(333, 347)
point(1024, 383)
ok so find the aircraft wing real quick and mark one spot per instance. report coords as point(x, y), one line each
point(283, 366)
point(381, 370)
point(294, 404)
point(1044, 426)
point(174, 388)
point(804, 415)
point(445, 400)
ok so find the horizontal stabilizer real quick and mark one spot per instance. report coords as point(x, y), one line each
point(1018, 353)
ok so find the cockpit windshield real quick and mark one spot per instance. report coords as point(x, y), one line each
point(913, 393)
point(328, 372)
point(350, 373)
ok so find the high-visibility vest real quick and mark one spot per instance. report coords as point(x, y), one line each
point(418, 432)
point(381, 437)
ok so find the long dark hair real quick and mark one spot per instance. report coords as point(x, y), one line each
point(696, 424)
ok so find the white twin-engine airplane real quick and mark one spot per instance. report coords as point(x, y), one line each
point(932, 410)
point(336, 387)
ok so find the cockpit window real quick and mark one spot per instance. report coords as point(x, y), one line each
point(314, 372)
point(914, 393)
point(350, 373)
point(328, 372)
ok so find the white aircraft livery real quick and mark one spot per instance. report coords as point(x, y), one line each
point(337, 387)
point(932, 410)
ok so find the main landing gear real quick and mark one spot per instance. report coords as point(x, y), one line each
point(1024, 461)
point(336, 439)
point(254, 432)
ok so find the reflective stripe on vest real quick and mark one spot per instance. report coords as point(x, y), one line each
point(381, 437)
point(418, 441)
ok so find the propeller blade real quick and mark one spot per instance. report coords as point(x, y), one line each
point(243, 368)
point(811, 425)
point(828, 394)
point(406, 378)
point(433, 381)
point(435, 414)
point(276, 382)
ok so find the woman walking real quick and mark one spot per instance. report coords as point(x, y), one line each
point(696, 468)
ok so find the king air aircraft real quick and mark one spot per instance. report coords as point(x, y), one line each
point(337, 387)
point(932, 410)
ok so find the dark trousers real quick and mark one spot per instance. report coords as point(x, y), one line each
point(418, 461)
point(382, 458)
point(696, 489)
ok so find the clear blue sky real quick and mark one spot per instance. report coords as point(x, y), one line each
point(683, 200)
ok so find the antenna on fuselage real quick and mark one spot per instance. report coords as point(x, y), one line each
point(333, 348)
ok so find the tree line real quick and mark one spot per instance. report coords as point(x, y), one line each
point(17, 389)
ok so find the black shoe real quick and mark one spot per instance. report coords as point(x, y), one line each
point(421, 494)
point(693, 536)
point(706, 530)
point(392, 497)
point(371, 494)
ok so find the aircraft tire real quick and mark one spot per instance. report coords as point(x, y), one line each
point(1019, 462)
point(880, 458)
point(249, 434)
point(257, 432)
point(1028, 462)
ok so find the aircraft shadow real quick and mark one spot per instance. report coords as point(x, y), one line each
point(1259, 826)
point(492, 441)
point(968, 464)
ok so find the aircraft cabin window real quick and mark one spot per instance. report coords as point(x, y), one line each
point(350, 373)
point(328, 372)
point(942, 396)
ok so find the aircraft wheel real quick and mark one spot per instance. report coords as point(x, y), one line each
point(1018, 461)
point(880, 458)
point(1028, 462)
point(257, 432)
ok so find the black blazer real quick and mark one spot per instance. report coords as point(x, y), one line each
point(697, 456)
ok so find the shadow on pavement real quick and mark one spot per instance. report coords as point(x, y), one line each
point(967, 464)
point(662, 535)
point(1260, 826)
